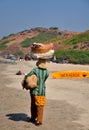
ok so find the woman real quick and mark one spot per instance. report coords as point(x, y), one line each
point(38, 94)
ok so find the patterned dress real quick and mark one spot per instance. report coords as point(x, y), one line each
point(40, 91)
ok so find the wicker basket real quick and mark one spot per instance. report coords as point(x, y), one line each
point(43, 51)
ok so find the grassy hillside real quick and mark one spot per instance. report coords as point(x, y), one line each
point(73, 56)
point(41, 38)
point(3, 44)
point(72, 46)
point(83, 37)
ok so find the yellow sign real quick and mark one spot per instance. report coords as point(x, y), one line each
point(71, 74)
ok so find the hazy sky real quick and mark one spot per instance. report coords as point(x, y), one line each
point(19, 15)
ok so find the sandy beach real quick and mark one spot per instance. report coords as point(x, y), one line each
point(67, 106)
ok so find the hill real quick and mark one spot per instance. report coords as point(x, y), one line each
point(22, 40)
point(19, 44)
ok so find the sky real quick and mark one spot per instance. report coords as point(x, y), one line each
point(20, 15)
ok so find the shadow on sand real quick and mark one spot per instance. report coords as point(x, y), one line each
point(18, 117)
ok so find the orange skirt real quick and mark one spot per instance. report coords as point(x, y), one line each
point(40, 100)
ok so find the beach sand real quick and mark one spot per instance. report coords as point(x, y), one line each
point(67, 106)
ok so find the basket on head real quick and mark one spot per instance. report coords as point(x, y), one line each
point(42, 51)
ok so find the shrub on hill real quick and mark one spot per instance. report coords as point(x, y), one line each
point(41, 38)
point(3, 44)
point(78, 38)
point(19, 53)
point(74, 56)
